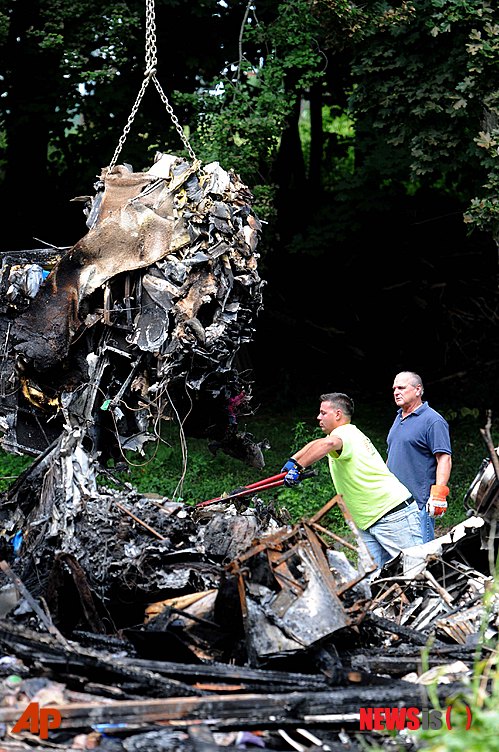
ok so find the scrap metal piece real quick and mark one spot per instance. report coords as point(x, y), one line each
point(483, 492)
point(459, 626)
point(288, 591)
point(414, 559)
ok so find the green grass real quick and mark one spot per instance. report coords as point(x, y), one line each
point(206, 476)
point(11, 465)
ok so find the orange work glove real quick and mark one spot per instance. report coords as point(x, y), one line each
point(436, 506)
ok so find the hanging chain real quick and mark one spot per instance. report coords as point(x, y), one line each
point(151, 60)
point(126, 129)
point(174, 118)
point(151, 54)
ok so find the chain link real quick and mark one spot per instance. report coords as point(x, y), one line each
point(173, 117)
point(151, 61)
point(151, 54)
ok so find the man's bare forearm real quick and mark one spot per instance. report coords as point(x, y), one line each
point(444, 466)
point(316, 450)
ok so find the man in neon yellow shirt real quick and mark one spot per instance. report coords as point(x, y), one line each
point(381, 506)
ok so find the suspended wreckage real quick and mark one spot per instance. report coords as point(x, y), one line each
point(155, 300)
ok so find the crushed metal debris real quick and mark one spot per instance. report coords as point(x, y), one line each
point(155, 300)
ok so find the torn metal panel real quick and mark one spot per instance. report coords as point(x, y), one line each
point(415, 558)
point(483, 493)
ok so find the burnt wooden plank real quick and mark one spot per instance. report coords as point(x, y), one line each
point(31, 646)
point(242, 711)
point(411, 635)
point(404, 659)
point(229, 673)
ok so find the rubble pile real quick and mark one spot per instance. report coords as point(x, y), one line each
point(435, 588)
point(166, 626)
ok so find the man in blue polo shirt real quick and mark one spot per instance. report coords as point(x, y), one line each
point(419, 450)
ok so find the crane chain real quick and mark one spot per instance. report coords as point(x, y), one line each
point(151, 60)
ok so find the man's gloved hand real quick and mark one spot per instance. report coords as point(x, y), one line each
point(293, 477)
point(436, 506)
point(293, 471)
point(289, 465)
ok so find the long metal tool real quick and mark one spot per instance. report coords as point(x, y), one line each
point(260, 485)
point(271, 482)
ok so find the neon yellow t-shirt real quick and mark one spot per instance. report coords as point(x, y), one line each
point(361, 476)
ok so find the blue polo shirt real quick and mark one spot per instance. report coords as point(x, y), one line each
point(412, 444)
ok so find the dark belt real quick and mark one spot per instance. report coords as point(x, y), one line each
point(402, 505)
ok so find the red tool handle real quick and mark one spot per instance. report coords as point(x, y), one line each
point(261, 485)
point(279, 476)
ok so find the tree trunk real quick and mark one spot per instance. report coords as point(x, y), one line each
point(290, 176)
point(316, 138)
point(32, 85)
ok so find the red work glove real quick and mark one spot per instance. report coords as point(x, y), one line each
point(436, 506)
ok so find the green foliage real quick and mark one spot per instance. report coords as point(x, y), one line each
point(197, 477)
point(423, 82)
point(483, 212)
point(424, 78)
point(11, 466)
point(74, 50)
point(339, 138)
point(4, 26)
point(240, 115)
point(264, 201)
point(462, 412)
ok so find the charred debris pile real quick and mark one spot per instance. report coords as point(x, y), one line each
point(154, 625)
